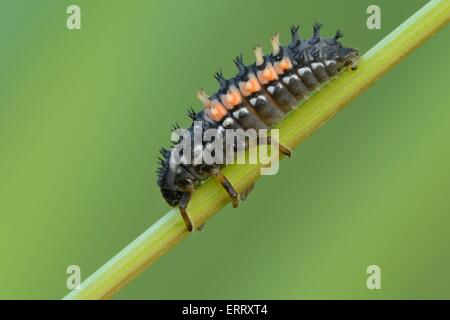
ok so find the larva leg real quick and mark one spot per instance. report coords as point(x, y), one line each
point(243, 195)
point(281, 148)
point(182, 206)
point(226, 184)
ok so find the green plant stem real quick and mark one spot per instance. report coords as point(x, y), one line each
point(294, 129)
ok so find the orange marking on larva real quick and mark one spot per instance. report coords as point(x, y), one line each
point(285, 64)
point(216, 111)
point(252, 85)
point(278, 68)
point(225, 101)
point(237, 96)
point(269, 74)
point(231, 100)
point(243, 88)
point(234, 98)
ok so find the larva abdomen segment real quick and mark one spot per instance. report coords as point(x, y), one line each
point(331, 67)
point(296, 86)
point(282, 97)
point(263, 105)
point(308, 78)
point(248, 118)
point(320, 72)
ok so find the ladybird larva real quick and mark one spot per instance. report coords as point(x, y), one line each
point(258, 97)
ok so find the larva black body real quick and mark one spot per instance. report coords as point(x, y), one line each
point(258, 97)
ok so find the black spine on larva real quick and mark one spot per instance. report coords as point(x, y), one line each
point(222, 81)
point(242, 69)
point(313, 61)
point(316, 33)
point(295, 39)
point(191, 113)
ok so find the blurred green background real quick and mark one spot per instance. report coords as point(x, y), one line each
point(83, 114)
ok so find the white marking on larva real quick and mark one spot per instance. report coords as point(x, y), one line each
point(317, 65)
point(220, 130)
point(253, 101)
point(286, 80)
point(262, 97)
point(329, 63)
point(228, 122)
point(271, 89)
point(243, 113)
point(304, 71)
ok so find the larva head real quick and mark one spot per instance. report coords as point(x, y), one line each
point(172, 197)
point(181, 185)
point(174, 180)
